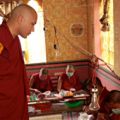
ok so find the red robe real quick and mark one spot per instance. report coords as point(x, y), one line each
point(72, 82)
point(115, 117)
point(42, 85)
point(13, 79)
point(103, 95)
point(106, 107)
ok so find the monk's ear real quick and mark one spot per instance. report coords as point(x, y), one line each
point(20, 19)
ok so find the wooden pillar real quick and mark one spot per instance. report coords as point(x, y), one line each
point(116, 7)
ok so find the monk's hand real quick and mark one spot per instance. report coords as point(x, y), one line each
point(34, 90)
point(37, 91)
point(72, 89)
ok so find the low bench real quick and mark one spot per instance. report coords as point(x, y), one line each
point(84, 69)
point(57, 68)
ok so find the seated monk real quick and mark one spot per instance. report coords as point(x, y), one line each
point(69, 80)
point(112, 103)
point(103, 92)
point(102, 95)
point(108, 100)
point(41, 81)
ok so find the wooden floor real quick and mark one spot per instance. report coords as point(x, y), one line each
point(47, 117)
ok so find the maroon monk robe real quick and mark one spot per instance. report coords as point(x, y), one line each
point(13, 79)
point(72, 82)
point(102, 101)
point(42, 85)
point(106, 107)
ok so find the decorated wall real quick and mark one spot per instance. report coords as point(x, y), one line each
point(66, 29)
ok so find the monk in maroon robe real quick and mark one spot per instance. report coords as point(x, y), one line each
point(41, 81)
point(69, 80)
point(111, 103)
point(13, 80)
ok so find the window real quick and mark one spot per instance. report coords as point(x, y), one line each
point(107, 37)
point(34, 48)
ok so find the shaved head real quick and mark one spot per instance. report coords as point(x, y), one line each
point(22, 20)
point(23, 10)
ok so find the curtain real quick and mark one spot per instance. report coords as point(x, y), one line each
point(107, 36)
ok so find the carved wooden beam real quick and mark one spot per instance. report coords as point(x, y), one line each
point(8, 1)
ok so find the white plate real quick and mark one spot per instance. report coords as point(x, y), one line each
point(81, 95)
point(51, 98)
